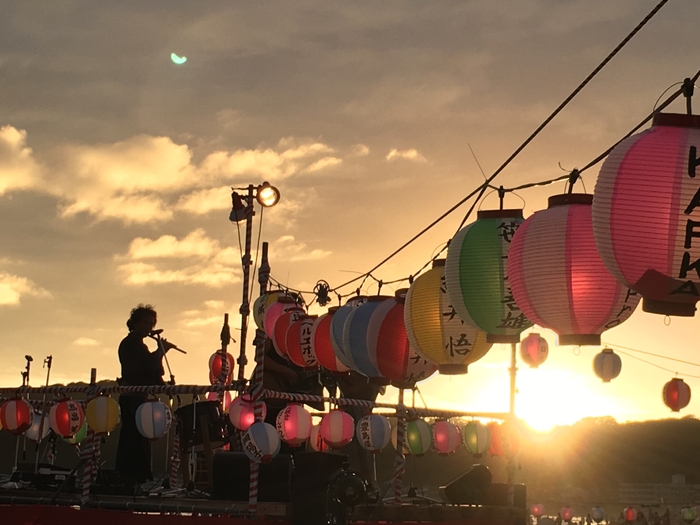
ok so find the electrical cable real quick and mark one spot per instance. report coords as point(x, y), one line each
point(651, 354)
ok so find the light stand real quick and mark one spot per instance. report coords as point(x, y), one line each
point(47, 365)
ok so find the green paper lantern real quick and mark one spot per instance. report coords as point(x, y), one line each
point(79, 435)
point(418, 438)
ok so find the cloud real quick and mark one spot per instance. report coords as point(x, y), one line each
point(13, 288)
point(204, 201)
point(195, 243)
point(287, 248)
point(85, 341)
point(409, 154)
point(360, 150)
point(325, 162)
point(18, 169)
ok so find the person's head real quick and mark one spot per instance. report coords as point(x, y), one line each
point(142, 320)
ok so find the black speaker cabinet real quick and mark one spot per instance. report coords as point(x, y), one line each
point(231, 473)
point(312, 472)
point(467, 488)
point(496, 495)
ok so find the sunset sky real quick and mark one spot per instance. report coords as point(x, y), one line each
point(116, 165)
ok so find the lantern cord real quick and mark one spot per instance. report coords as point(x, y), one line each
point(653, 355)
point(657, 366)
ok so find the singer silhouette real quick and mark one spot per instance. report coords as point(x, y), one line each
point(140, 367)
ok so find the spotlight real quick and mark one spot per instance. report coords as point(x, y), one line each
point(267, 195)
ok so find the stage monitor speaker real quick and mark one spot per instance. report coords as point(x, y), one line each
point(231, 477)
point(312, 472)
point(496, 495)
point(467, 488)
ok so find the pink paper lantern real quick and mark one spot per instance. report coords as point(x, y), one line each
point(446, 437)
point(534, 350)
point(630, 514)
point(321, 344)
point(566, 513)
point(16, 415)
point(646, 216)
point(294, 424)
point(224, 397)
point(221, 367)
point(66, 418)
point(284, 321)
point(298, 342)
point(315, 441)
point(558, 278)
point(241, 412)
point(337, 428)
point(505, 439)
point(273, 311)
point(676, 394)
point(537, 510)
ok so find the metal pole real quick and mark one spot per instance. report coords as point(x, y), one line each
point(246, 261)
point(513, 370)
point(47, 364)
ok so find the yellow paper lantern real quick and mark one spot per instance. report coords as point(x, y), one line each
point(102, 414)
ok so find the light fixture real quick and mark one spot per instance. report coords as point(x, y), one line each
point(267, 195)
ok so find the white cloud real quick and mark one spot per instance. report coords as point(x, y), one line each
point(85, 341)
point(195, 243)
point(287, 248)
point(325, 162)
point(205, 201)
point(408, 154)
point(18, 169)
point(360, 150)
point(13, 288)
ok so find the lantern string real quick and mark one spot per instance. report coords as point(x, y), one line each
point(657, 366)
point(652, 354)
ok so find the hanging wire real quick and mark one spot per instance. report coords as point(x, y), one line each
point(652, 354)
point(657, 366)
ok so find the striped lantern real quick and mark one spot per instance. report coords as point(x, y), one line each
point(321, 342)
point(566, 513)
point(282, 324)
point(434, 329)
point(607, 365)
point(281, 304)
point(505, 439)
point(630, 514)
point(298, 342)
point(597, 514)
point(294, 424)
point(261, 304)
point(477, 282)
point(223, 397)
point(646, 216)
point(356, 335)
point(558, 278)
point(261, 442)
point(477, 438)
point(102, 414)
point(537, 510)
point(337, 428)
point(317, 444)
point(373, 432)
point(676, 394)
point(66, 417)
point(33, 431)
point(419, 437)
point(79, 436)
point(338, 327)
point(446, 437)
point(221, 367)
point(16, 415)
point(153, 419)
point(534, 350)
point(241, 412)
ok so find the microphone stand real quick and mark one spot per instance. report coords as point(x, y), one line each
point(47, 364)
point(161, 348)
point(25, 382)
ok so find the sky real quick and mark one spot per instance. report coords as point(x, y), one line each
point(116, 166)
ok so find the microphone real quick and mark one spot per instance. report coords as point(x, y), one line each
point(155, 332)
point(29, 358)
point(153, 335)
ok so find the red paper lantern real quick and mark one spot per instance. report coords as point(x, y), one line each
point(322, 347)
point(298, 342)
point(315, 440)
point(221, 367)
point(273, 311)
point(337, 428)
point(566, 513)
point(294, 424)
point(66, 418)
point(676, 394)
point(16, 415)
point(284, 321)
point(630, 514)
point(505, 439)
point(446, 437)
point(607, 365)
point(534, 350)
point(537, 510)
point(223, 397)
point(646, 214)
point(558, 278)
point(241, 412)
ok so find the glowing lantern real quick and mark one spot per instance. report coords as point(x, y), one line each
point(356, 336)
point(537, 510)
point(261, 304)
point(645, 214)
point(223, 397)
point(221, 367)
point(261, 442)
point(505, 439)
point(102, 414)
point(273, 311)
point(676, 394)
point(294, 424)
point(476, 277)
point(79, 436)
point(607, 365)
point(241, 412)
point(337, 428)
point(284, 321)
point(630, 514)
point(321, 343)
point(446, 437)
point(16, 415)
point(33, 431)
point(338, 326)
point(688, 514)
point(566, 513)
point(418, 439)
point(317, 444)
point(477, 438)
point(534, 350)
point(298, 342)
point(153, 419)
point(373, 432)
point(558, 278)
point(597, 514)
point(66, 418)
point(434, 329)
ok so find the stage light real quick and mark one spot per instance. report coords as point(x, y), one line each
point(267, 195)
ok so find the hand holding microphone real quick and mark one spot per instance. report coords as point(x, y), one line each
point(164, 344)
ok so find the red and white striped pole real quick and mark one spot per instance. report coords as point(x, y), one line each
point(400, 461)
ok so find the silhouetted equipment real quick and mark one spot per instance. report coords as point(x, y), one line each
point(474, 487)
point(48, 477)
point(194, 418)
point(310, 483)
point(346, 489)
point(231, 478)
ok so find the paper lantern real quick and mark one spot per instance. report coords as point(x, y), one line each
point(33, 431)
point(607, 365)
point(476, 437)
point(534, 350)
point(294, 424)
point(315, 441)
point(566, 513)
point(446, 437)
point(298, 342)
point(630, 514)
point(221, 367)
point(66, 418)
point(102, 414)
point(434, 329)
point(321, 343)
point(373, 432)
point(645, 214)
point(16, 415)
point(273, 311)
point(355, 337)
point(153, 419)
point(338, 327)
point(676, 394)
point(261, 442)
point(223, 397)
point(337, 428)
point(261, 304)
point(597, 514)
point(688, 514)
point(79, 436)
point(559, 280)
point(476, 277)
point(241, 412)
point(505, 439)
point(537, 510)
point(282, 324)
point(418, 439)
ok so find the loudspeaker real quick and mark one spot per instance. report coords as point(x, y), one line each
point(496, 495)
point(312, 472)
point(467, 488)
point(231, 477)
